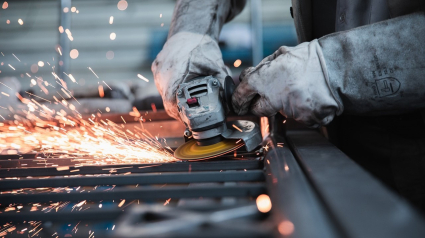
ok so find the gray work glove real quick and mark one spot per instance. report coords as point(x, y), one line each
point(378, 69)
point(292, 81)
point(185, 56)
point(192, 49)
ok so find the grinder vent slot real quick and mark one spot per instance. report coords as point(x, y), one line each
point(198, 90)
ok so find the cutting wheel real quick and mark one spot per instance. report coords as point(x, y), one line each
point(192, 151)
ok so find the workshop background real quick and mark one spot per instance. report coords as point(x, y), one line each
point(112, 43)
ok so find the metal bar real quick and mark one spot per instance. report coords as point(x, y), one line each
point(256, 32)
point(40, 162)
point(142, 193)
point(348, 191)
point(65, 22)
point(292, 197)
point(93, 215)
point(137, 168)
point(141, 179)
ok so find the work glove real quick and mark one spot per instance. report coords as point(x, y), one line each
point(372, 70)
point(186, 56)
point(292, 81)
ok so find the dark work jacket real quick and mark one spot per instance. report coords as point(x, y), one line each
point(392, 148)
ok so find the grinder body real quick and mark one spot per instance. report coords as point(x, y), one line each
point(201, 109)
point(203, 104)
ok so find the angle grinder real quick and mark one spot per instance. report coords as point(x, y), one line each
point(203, 104)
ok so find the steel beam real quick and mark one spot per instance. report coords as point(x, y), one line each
point(359, 202)
point(137, 168)
point(133, 179)
point(89, 215)
point(141, 193)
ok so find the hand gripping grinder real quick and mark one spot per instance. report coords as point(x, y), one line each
point(203, 104)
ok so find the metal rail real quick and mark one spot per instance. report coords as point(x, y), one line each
point(142, 193)
point(141, 179)
point(137, 168)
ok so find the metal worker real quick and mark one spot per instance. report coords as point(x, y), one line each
point(360, 63)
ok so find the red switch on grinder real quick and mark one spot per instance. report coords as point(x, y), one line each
point(192, 101)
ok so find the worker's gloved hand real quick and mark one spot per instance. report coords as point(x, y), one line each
point(292, 81)
point(185, 56)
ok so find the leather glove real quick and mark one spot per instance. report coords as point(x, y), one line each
point(292, 81)
point(192, 49)
point(186, 56)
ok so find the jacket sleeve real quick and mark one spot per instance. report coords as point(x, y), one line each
point(203, 17)
point(378, 69)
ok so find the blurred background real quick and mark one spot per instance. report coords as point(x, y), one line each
point(94, 46)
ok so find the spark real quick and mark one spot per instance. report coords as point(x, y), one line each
point(62, 168)
point(63, 90)
point(5, 5)
point(107, 85)
point(122, 5)
point(5, 94)
point(73, 54)
point(123, 120)
point(153, 106)
point(107, 109)
point(61, 29)
point(237, 128)
point(121, 203)
point(59, 50)
point(143, 78)
point(20, 21)
point(101, 92)
point(11, 67)
point(73, 9)
point(38, 97)
point(93, 72)
point(286, 228)
point(113, 36)
point(237, 63)
point(16, 57)
point(111, 20)
point(167, 201)
point(6, 85)
point(264, 203)
point(160, 15)
point(80, 203)
point(71, 77)
point(41, 63)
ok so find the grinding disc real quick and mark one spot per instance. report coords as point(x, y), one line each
point(192, 151)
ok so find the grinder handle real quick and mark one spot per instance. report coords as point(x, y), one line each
point(228, 88)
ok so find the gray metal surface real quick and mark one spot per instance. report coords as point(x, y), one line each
point(292, 197)
point(160, 221)
point(135, 168)
point(141, 179)
point(360, 203)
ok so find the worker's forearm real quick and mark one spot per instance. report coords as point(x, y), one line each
point(200, 16)
point(379, 68)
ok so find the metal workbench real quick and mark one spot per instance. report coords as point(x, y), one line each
point(315, 190)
